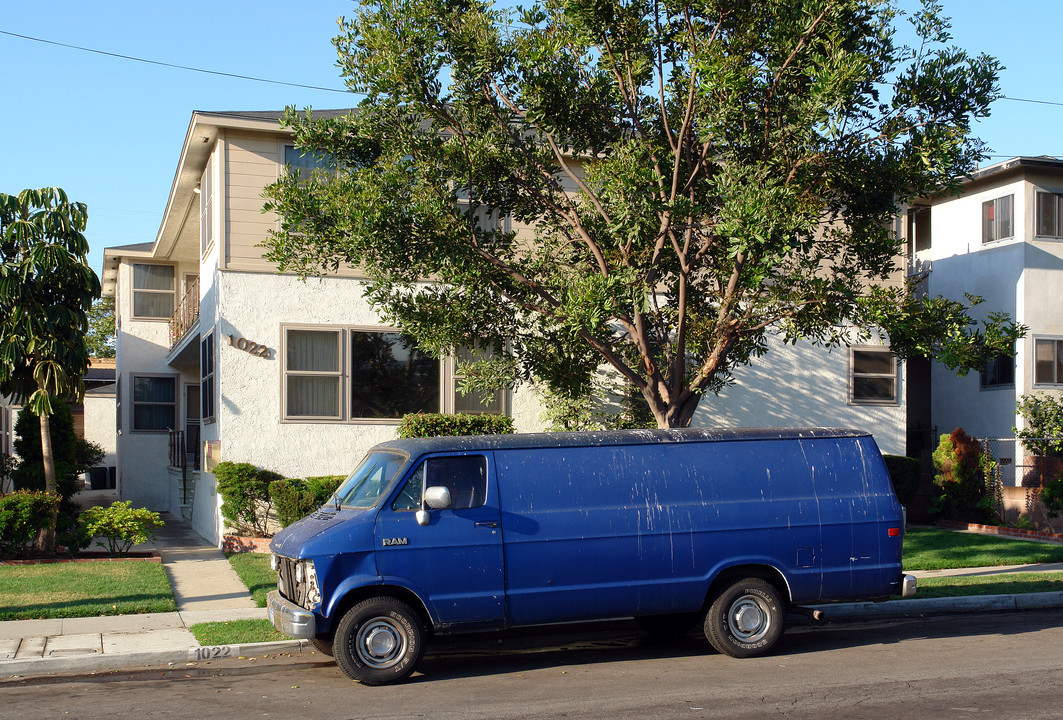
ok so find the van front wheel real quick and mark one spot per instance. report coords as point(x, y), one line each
point(746, 618)
point(379, 641)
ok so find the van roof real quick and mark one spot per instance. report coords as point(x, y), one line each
point(419, 446)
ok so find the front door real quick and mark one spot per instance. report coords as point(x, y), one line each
point(455, 562)
point(192, 418)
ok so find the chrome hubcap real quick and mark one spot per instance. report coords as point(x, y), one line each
point(749, 619)
point(380, 643)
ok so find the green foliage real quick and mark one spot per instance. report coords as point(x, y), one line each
point(294, 499)
point(1043, 431)
point(246, 501)
point(905, 475)
point(651, 187)
point(71, 454)
point(962, 469)
point(89, 589)
point(1052, 497)
point(436, 424)
point(121, 525)
point(100, 337)
point(46, 290)
point(22, 515)
point(255, 572)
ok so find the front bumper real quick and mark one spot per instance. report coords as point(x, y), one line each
point(907, 585)
point(289, 618)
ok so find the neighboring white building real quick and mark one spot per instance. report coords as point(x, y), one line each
point(220, 357)
point(1001, 239)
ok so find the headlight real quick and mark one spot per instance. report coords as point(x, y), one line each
point(273, 563)
point(299, 573)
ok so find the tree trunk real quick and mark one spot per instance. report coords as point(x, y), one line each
point(46, 539)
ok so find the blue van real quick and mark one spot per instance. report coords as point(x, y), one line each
point(729, 528)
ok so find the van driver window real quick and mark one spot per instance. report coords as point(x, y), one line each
point(465, 476)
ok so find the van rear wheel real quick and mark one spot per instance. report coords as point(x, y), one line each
point(746, 618)
point(379, 641)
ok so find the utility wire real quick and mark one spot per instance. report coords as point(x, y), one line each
point(172, 65)
point(300, 85)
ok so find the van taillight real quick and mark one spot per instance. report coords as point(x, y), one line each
point(894, 532)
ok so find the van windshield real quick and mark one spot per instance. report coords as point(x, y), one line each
point(370, 479)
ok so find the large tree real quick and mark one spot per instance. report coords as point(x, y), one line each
point(46, 290)
point(696, 174)
point(100, 337)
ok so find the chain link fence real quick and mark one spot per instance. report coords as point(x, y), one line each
point(1018, 466)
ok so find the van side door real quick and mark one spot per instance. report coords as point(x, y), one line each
point(454, 563)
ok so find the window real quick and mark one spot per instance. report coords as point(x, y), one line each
point(351, 374)
point(464, 475)
point(154, 403)
point(206, 377)
point(312, 374)
point(873, 376)
point(390, 376)
point(153, 291)
point(1049, 214)
point(997, 219)
point(1048, 362)
point(304, 163)
point(472, 402)
point(206, 210)
point(999, 372)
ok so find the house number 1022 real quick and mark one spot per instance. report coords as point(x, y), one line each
point(248, 346)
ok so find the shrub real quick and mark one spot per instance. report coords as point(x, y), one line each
point(73, 455)
point(962, 469)
point(294, 499)
point(904, 475)
point(246, 502)
point(436, 424)
point(22, 515)
point(1043, 415)
point(122, 526)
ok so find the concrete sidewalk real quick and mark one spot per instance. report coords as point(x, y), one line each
point(208, 590)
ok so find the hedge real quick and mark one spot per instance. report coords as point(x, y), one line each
point(22, 515)
point(905, 475)
point(295, 498)
point(436, 424)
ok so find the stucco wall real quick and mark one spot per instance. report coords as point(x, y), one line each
point(802, 386)
point(250, 428)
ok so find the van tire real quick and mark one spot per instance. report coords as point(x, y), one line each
point(746, 618)
point(322, 645)
point(379, 641)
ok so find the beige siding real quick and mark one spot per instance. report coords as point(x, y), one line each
point(252, 161)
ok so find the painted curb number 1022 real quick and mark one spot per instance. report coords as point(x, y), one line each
point(248, 346)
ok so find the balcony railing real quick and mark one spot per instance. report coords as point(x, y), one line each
point(186, 314)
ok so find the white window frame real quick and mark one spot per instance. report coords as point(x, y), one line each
point(172, 292)
point(1057, 346)
point(133, 401)
point(206, 209)
point(893, 376)
point(992, 228)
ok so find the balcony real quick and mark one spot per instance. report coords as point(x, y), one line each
point(186, 315)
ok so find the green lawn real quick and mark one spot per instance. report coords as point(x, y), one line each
point(1008, 584)
point(254, 570)
point(236, 632)
point(928, 548)
point(67, 590)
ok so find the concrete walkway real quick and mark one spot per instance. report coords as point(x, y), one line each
point(208, 590)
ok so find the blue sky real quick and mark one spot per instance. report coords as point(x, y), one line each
point(109, 130)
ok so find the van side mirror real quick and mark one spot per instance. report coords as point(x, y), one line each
point(436, 497)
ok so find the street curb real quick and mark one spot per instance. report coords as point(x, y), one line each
point(84, 664)
point(931, 606)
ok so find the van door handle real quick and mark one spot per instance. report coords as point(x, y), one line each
point(486, 524)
